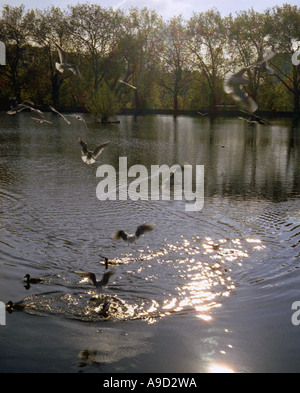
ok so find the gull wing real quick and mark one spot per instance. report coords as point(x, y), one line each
point(41, 120)
point(262, 59)
point(61, 54)
point(128, 84)
point(84, 146)
point(121, 235)
point(98, 150)
point(90, 276)
point(56, 111)
point(74, 68)
point(233, 84)
point(141, 229)
point(106, 277)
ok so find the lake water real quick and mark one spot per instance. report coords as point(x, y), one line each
point(209, 290)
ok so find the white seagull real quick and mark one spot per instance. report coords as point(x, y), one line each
point(141, 229)
point(233, 83)
point(24, 105)
point(41, 120)
point(54, 110)
point(80, 118)
point(262, 63)
point(89, 156)
point(128, 84)
point(63, 65)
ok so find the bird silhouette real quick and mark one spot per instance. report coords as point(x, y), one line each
point(92, 278)
point(132, 238)
point(10, 306)
point(32, 280)
point(105, 308)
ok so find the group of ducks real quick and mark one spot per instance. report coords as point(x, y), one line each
point(89, 157)
point(98, 284)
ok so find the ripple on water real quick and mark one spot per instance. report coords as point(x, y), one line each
point(10, 202)
point(82, 306)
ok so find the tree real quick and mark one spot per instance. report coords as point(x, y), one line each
point(14, 34)
point(286, 22)
point(95, 31)
point(47, 28)
point(248, 40)
point(139, 51)
point(102, 102)
point(206, 37)
point(175, 60)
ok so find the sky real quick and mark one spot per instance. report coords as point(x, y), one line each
point(165, 8)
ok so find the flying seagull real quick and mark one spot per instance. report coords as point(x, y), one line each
point(127, 84)
point(262, 62)
point(33, 109)
point(254, 119)
point(233, 83)
point(141, 229)
point(24, 105)
point(92, 278)
point(41, 120)
point(54, 110)
point(80, 118)
point(15, 110)
point(63, 65)
point(89, 156)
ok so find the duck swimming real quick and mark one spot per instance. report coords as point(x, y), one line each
point(141, 229)
point(106, 262)
point(10, 306)
point(32, 280)
point(88, 156)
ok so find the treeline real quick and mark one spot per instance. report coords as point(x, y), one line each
point(179, 64)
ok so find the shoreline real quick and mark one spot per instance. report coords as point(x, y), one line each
point(171, 112)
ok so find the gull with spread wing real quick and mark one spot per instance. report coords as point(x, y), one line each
point(63, 65)
point(141, 229)
point(89, 156)
point(234, 82)
point(92, 278)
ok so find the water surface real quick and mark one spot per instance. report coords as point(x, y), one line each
point(204, 289)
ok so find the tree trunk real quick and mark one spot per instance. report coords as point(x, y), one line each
point(175, 103)
point(297, 102)
point(55, 89)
